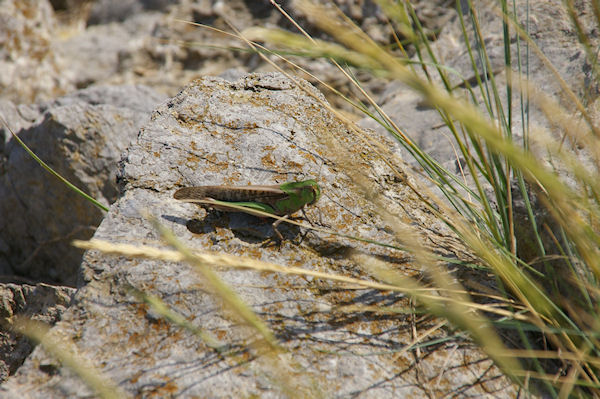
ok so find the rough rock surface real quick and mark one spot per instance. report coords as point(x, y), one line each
point(30, 69)
point(550, 29)
point(81, 136)
point(42, 302)
point(260, 129)
point(18, 117)
point(132, 43)
point(47, 54)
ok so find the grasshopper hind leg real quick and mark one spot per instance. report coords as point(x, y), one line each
point(276, 223)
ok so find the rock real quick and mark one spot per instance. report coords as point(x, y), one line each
point(39, 302)
point(82, 136)
point(18, 117)
point(261, 129)
point(106, 11)
point(550, 29)
point(421, 123)
point(115, 42)
point(111, 53)
point(30, 69)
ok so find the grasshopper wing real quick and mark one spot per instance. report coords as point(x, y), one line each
point(263, 194)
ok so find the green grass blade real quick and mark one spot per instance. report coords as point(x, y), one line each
point(52, 171)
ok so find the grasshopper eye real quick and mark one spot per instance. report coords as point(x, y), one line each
point(316, 194)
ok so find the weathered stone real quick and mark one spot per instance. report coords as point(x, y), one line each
point(550, 29)
point(111, 54)
point(81, 136)
point(40, 302)
point(261, 129)
point(106, 11)
point(30, 69)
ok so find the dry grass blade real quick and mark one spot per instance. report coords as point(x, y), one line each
point(161, 308)
point(495, 147)
point(66, 354)
point(408, 285)
point(220, 289)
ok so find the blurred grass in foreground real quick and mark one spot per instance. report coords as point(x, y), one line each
point(545, 254)
point(537, 233)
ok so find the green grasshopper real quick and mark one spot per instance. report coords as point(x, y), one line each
point(281, 200)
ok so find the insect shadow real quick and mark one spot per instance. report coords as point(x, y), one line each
point(248, 228)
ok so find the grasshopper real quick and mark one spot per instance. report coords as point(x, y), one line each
point(281, 200)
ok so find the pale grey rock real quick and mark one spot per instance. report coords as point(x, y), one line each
point(550, 28)
point(43, 57)
point(17, 117)
point(81, 136)
point(30, 69)
point(260, 129)
point(552, 31)
point(138, 98)
point(107, 11)
point(435, 14)
point(418, 121)
point(41, 302)
point(102, 53)
point(85, 43)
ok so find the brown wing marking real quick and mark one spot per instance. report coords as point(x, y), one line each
point(265, 194)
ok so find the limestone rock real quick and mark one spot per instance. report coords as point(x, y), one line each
point(81, 136)
point(261, 129)
point(30, 69)
point(550, 29)
point(40, 302)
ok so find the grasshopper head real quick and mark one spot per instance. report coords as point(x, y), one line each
point(316, 190)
